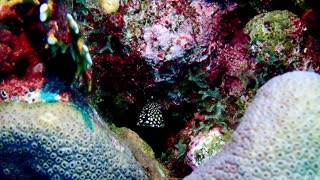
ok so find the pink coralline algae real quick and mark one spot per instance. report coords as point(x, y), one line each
point(232, 61)
point(34, 39)
point(20, 65)
point(176, 31)
point(184, 69)
point(161, 44)
point(237, 72)
point(146, 43)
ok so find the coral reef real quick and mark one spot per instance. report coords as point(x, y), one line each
point(205, 144)
point(173, 33)
point(278, 135)
point(276, 39)
point(143, 153)
point(21, 68)
point(64, 38)
point(178, 73)
point(55, 140)
point(184, 37)
point(150, 47)
point(32, 45)
point(280, 43)
point(220, 92)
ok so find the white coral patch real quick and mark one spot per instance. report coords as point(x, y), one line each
point(278, 136)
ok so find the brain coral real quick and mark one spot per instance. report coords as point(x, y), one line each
point(278, 136)
point(56, 141)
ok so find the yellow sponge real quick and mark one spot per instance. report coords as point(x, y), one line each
point(110, 6)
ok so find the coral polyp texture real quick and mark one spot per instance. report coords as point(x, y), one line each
point(56, 140)
point(278, 135)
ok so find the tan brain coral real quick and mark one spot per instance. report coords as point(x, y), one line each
point(279, 136)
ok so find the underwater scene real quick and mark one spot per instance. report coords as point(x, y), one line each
point(159, 89)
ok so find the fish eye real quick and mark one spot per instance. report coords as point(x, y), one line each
point(4, 94)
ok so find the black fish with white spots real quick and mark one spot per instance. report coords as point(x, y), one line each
point(151, 116)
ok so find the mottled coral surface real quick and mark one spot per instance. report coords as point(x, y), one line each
point(21, 69)
point(56, 140)
point(201, 61)
point(278, 136)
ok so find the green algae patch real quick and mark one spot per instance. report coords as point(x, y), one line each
point(274, 35)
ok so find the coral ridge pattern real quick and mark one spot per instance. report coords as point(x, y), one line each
point(278, 136)
point(55, 140)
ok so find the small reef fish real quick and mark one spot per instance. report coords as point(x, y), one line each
point(151, 116)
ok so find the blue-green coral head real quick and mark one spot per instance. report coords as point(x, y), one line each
point(54, 141)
